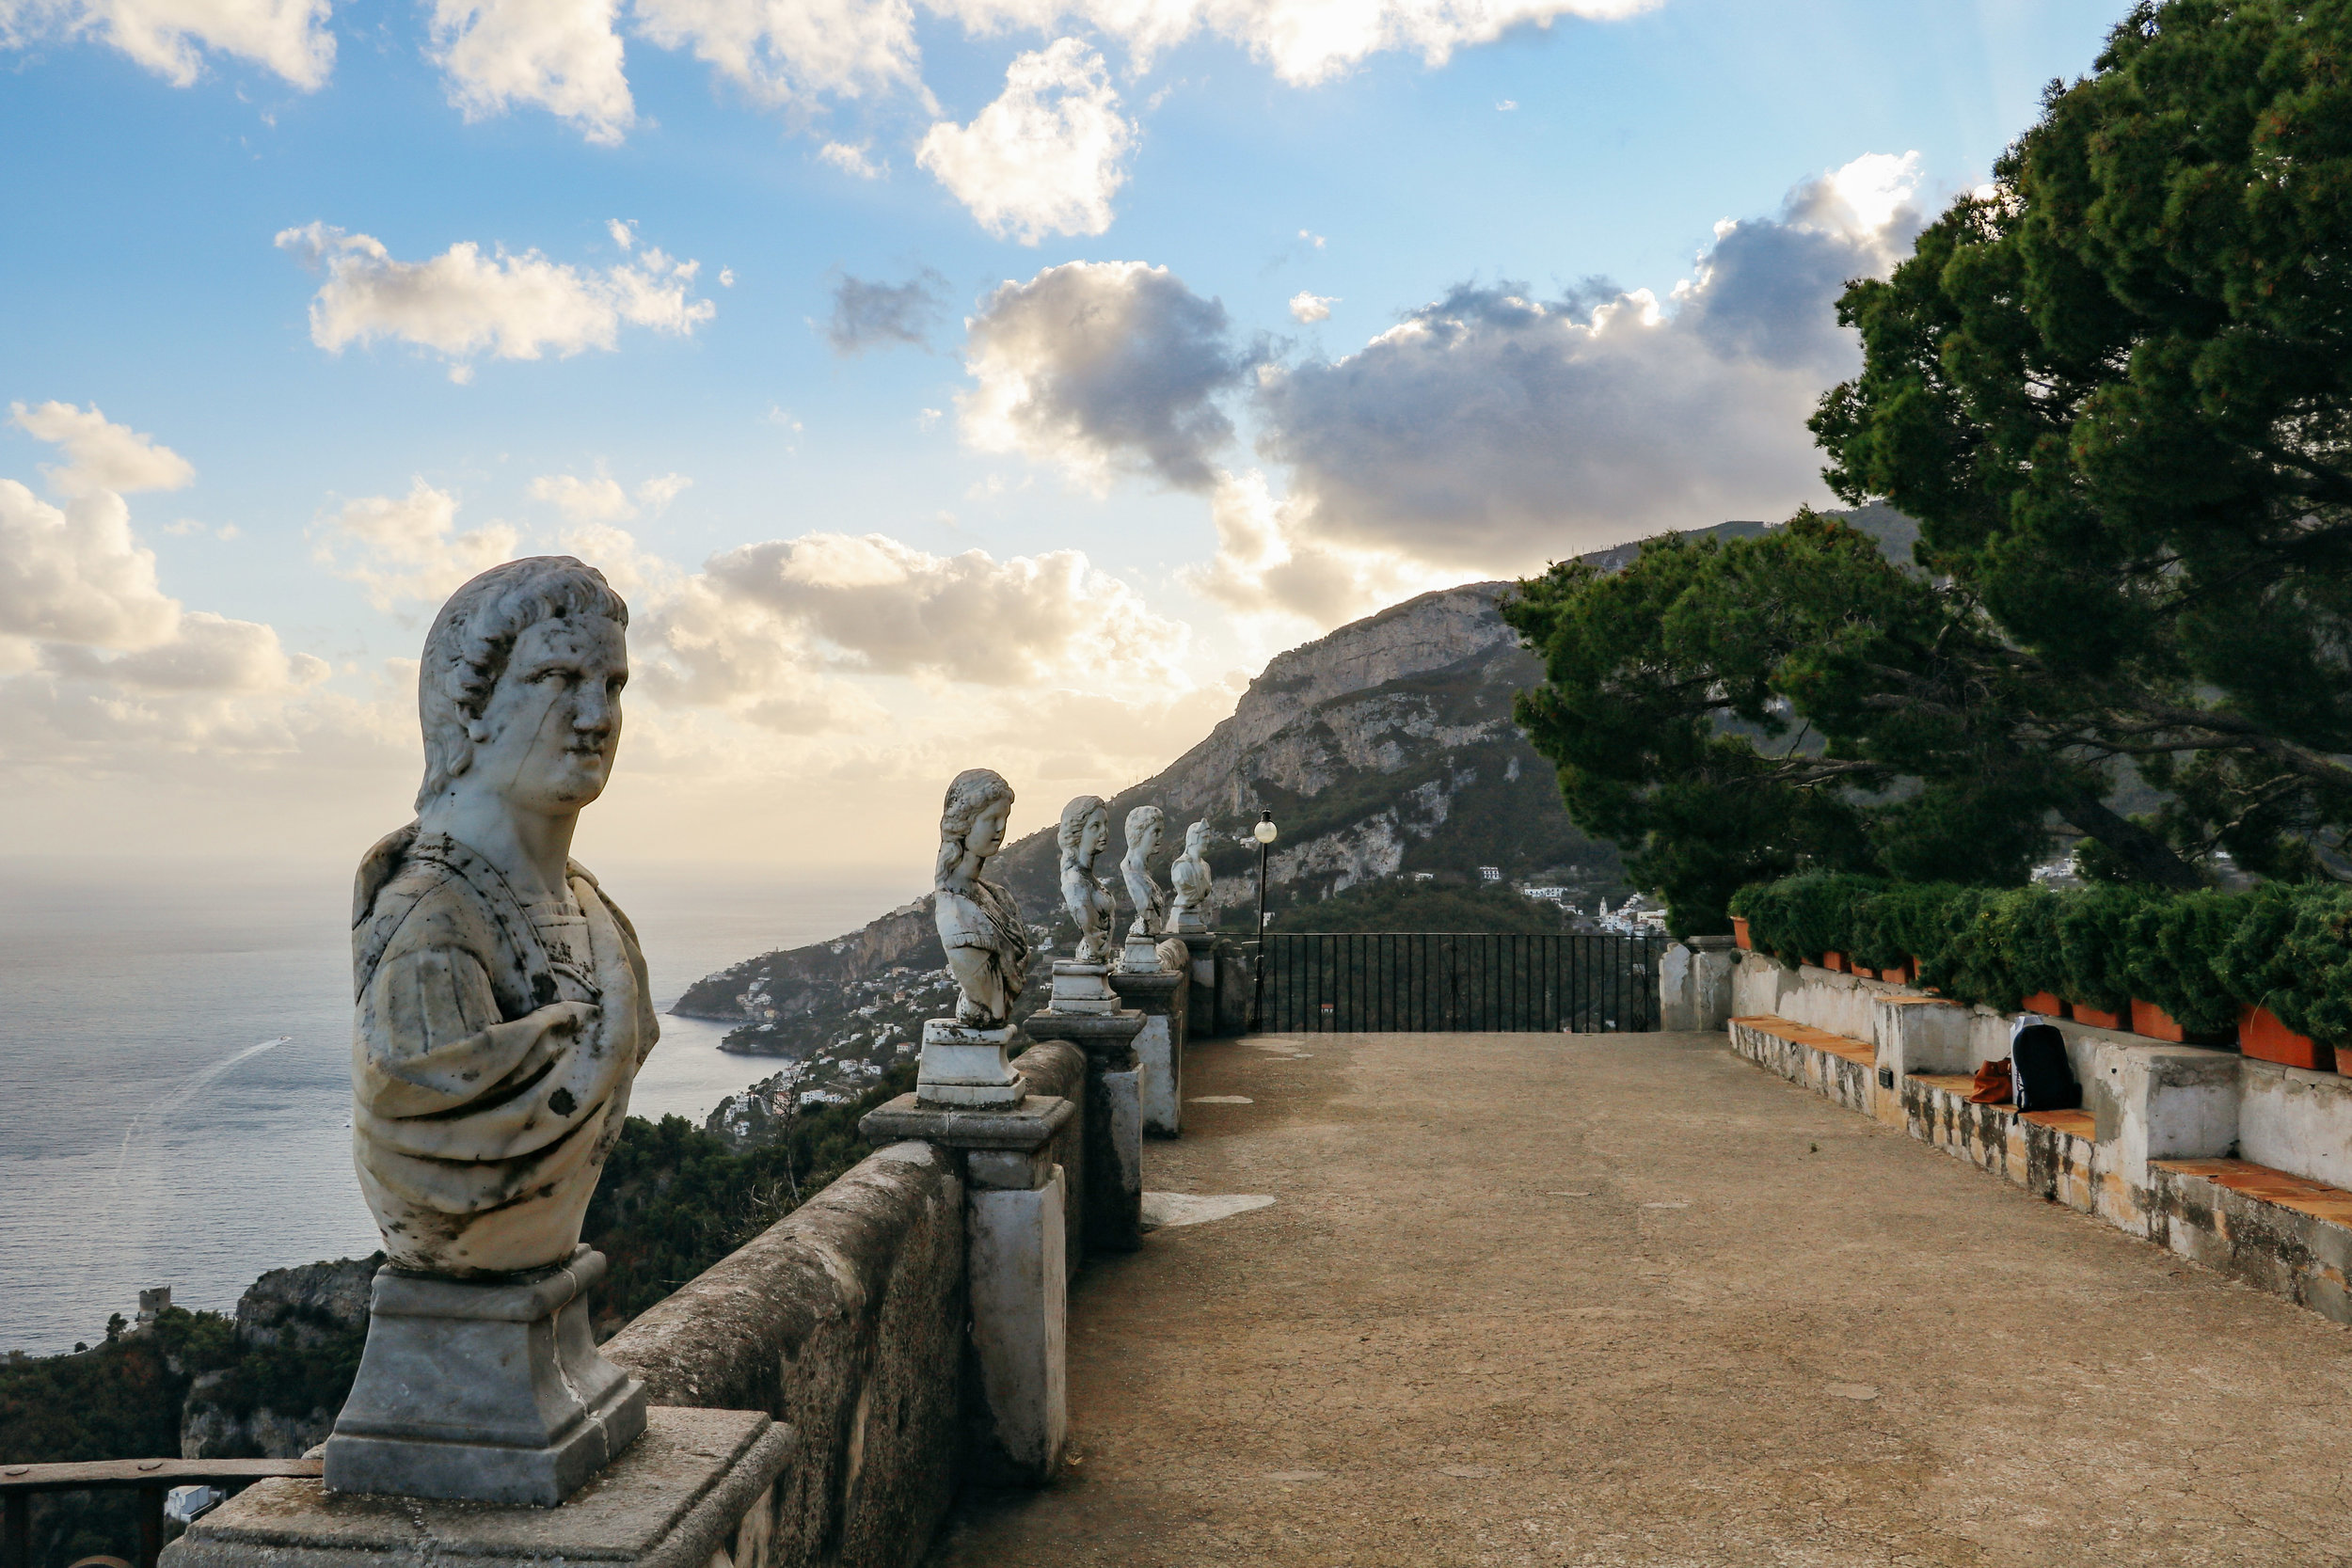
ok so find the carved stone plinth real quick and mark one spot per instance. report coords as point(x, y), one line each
point(697, 1488)
point(1113, 1140)
point(483, 1390)
point(1081, 987)
point(1018, 1269)
point(967, 1068)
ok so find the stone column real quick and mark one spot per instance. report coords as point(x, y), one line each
point(1085, 1012)
point(699, 1487)
point(1153, 981)
point(1017, 1267)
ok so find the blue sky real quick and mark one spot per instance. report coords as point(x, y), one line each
point(1236, 477)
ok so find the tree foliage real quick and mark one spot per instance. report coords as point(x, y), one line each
point(2115, 390)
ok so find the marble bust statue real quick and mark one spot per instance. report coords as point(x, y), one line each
point(980, 924)
point(502, 1014)
point(1146, 827)
point(1084, 834)
point(1190, 875)
point(502, 1008)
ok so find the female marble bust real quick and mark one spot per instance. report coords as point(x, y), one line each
point(1146, 827)
point(980, 924)
point(1084, 834)
point(1192, 881)
point(501, 1004)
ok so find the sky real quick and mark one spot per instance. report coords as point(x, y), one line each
point(944, 383)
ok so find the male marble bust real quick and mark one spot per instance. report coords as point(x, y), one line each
point(502, 1004)
point(502, 1012)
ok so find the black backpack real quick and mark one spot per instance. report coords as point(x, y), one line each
point(2039, 1071)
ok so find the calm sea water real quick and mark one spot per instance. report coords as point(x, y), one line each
point(175, 1065)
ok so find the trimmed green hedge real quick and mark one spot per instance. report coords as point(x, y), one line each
point(2199, 956)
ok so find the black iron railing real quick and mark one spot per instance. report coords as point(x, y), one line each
point(1366, 982)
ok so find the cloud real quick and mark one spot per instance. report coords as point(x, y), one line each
point(1281, 580)
point(99, 666)
point(1307, 308)
point(601, 499)
point(1101, 367)
point(407, 548)
point(167, 36)
point(871, 315)
point(101, 454)
point(852, 160)
point(1045, 157)
point(793, 52)
point(1305, 41)
point(1490, 429)
point(564, 56)
point(769, 622)
point(459, 305)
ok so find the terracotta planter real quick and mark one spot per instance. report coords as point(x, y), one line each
point(2261, 1035)
point(1740, 935)
point(1899, 975)
point(2085, 1013)
point(2047, 1006)
point(1834, 961)
point(2154, 1022)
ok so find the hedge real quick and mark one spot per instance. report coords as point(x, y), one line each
point(2202, 957)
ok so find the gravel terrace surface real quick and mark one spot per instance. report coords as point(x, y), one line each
point(1626, 1299)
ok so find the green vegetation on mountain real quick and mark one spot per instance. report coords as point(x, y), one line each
point(2114, 390)
point(1396, 903)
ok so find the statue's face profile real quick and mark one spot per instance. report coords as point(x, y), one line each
point(1197, 838)
point(1148, 842)
point(1096, 836)
point(553, 721)
point(987, 830)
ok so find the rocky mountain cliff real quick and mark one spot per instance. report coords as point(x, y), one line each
point(1385, 748)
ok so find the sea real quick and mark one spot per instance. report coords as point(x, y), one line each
point(175, 1064)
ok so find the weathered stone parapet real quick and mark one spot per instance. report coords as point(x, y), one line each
point(699, 1488)
point(1694, 985)
point(1114, 1119)
point(1161, 996)
point(1017, 1272)
point(846, 1320)
point(1056, 1069)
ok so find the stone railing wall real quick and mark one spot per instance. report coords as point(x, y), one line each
point(847, 1321)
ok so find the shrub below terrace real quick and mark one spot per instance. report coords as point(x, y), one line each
point(2202, 957)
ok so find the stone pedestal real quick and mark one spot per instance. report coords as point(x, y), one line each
point(697, 1489)
point(1160, 994)
point(1081, 987)
point(487, 1391)
point(1113, 1140)
point(1017, 1270)
point(967, 1068)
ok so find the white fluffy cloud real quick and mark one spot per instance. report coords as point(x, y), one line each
point(1046, 157)
point(101, 667)
point(100, 455)
point(564, 56)
point(601, 499)
point(793, 51)
point(871, 605)
point(1282, 578)
point(1491, 429)
point(460, 305)
point(169, 37)
point(1307, 308)
point(408, 548)
point(1305, 41)
point(1101, 367)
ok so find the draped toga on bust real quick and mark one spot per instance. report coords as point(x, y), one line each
point(492, 1056)
point(987, 920)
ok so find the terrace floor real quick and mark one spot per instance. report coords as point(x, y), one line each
point(1625, 1299)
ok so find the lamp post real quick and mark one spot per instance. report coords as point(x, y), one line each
point(1263, 832)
